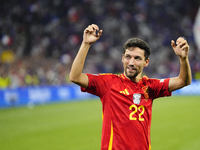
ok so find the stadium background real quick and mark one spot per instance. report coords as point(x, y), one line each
point(39, 40)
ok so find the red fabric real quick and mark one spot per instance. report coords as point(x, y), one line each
point(127, 109)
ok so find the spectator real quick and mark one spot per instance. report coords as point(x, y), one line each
point(46, 35)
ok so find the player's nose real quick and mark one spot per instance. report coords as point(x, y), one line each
point(132, 61)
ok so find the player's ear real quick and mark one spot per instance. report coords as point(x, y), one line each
point(146, 62)
point(122, 58)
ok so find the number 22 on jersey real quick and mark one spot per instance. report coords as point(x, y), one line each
point(135, 110)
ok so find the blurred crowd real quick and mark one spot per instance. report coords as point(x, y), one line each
point(40, 38)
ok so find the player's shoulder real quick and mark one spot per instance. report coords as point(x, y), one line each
point(105, 74)
point(116, 77)
point(109, 75)
point(152, 80)
point(102, 75)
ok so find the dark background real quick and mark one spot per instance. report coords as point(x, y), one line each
point(42, 37)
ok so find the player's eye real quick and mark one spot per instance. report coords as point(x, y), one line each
point(127, 56)
point(138, 58)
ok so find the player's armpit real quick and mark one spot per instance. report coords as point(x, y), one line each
point(82, 80)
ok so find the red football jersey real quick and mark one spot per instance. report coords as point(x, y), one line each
point(127, 109)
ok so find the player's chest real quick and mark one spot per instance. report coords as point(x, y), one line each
point(130, 93)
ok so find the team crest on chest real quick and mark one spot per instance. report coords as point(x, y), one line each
point(136, 98)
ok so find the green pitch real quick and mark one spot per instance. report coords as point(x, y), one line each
point(77, 126)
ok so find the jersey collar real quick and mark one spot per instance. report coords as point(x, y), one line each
point(125, 78)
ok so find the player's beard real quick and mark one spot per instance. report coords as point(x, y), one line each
point(131, 75)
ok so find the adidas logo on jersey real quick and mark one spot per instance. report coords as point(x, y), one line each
point(124, 92)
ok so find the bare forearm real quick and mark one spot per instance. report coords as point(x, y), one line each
point(78, 64)
point(184, 78)
point(185, 71)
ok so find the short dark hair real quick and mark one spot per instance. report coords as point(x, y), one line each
point(136, 42)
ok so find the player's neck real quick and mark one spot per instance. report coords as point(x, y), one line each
point(135, 79)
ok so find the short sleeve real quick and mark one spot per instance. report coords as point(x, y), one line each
point(159, 88)
point(98, 84)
